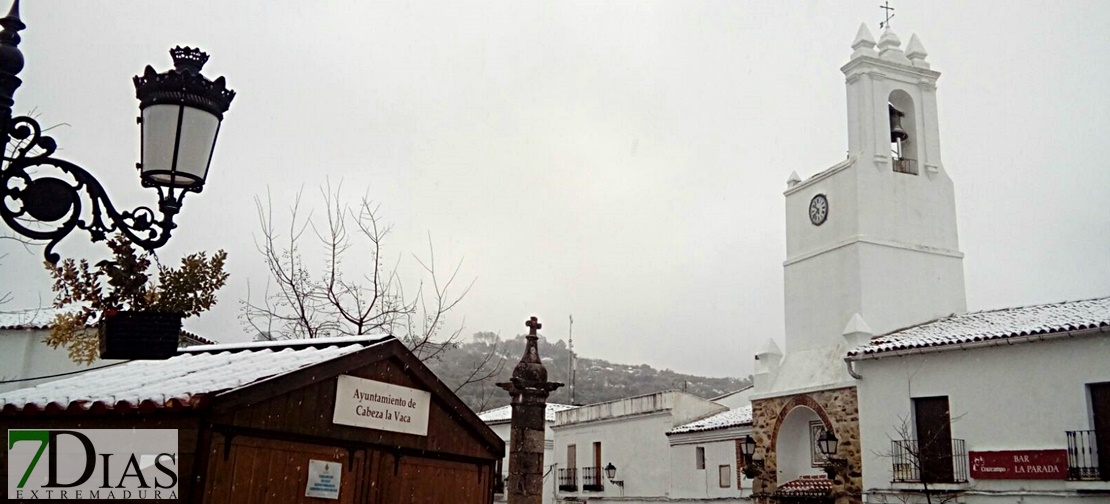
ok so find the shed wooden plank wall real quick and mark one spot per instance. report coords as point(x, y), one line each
point(307, 411)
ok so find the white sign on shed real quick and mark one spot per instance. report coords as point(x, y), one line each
point(324, 477)
point(377, 405)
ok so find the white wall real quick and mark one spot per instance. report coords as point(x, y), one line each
point(1019, 397)
point(793, 447)
point(689, 482)
point(636, 445)
point(24, 355)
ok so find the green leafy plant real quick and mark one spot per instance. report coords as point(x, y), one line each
point(125, 283)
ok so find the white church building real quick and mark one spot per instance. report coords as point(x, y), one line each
point(886, 389)
point(871, 246)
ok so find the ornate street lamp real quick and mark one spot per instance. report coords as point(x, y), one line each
point(611, 473)
point(752, 467)
point(827, 445)
point(181, 112)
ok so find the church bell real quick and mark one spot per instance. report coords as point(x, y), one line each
point(896, 132)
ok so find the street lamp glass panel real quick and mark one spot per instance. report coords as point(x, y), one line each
point(177, 145)
point(748, 447)
point(159, 137)
point(198, 135)
point(611, 470)
point(826, 443)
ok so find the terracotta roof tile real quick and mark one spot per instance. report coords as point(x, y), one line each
point(806, 486)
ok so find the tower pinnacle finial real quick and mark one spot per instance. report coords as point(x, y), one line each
point(889, 15)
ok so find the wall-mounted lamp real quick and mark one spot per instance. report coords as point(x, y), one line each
point(611, 473)
point(827, 445)
point(752, 466)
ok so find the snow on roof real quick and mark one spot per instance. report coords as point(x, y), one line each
point(284, 343)
point(180, 381)
point(734, 392)
point(40, 319)
point(31, 319)
point(994, 325)
point(731, 418)
point(505, 413)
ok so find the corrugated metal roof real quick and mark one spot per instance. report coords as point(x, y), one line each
point(505, 413)
point(994, 325)
point(182, 381)
point(731, 418)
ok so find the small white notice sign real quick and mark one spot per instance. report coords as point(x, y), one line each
point(324, 477)
point(377, 405)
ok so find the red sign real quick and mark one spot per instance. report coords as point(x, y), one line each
point(1019, 464)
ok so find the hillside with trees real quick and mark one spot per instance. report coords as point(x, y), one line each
point(486, 359)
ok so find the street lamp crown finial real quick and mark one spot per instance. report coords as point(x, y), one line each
point(188, 59)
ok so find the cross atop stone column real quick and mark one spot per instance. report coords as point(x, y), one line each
point(528, 388)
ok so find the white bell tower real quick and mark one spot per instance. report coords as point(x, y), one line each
point(875, 236)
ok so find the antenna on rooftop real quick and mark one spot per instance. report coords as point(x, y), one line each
point(889, 14)
point(573, 365)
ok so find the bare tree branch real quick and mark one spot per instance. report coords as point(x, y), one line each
point(311, 302)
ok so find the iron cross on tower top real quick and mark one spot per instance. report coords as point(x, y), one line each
point(889, 14)
point(533, 326)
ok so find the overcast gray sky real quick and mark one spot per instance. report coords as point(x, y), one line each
point(621, 161)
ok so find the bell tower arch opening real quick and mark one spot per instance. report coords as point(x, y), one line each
point(903, 132)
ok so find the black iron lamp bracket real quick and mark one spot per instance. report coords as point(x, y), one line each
point(49, 206)
point(41, 195)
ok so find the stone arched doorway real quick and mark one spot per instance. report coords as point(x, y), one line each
point(794, 446)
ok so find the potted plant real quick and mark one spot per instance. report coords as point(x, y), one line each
point(136, 316)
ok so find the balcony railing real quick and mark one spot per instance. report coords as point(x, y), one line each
point(904, 165)
point(568, 479)
point(1083, 456)
point(942, 461)
point(591, 479)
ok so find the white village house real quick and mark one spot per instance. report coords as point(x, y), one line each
point(990, 407)
point(663, 447)
point(704, 458)
point(500, 421)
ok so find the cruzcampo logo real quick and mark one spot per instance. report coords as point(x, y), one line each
point(92, 464)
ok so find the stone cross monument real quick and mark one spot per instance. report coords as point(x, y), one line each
point(529, 389)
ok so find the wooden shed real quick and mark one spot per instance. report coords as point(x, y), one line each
point(250, 418)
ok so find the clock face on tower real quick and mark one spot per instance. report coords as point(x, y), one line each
point(818, 209)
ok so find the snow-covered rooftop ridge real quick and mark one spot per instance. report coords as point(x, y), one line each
point(505, 413)
point(177, 382)
point(727, 394)
point(994, 325)
point(31, 318)
point(285, 343)
point(732, 418)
